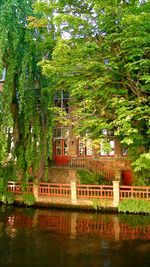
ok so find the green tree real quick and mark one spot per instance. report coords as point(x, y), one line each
point(103, 59)
point(24, 101)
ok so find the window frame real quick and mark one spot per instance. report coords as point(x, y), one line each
point(63, 146)
point(85, 147)
point(62, 133)
point(109, 139)
point(61, 100)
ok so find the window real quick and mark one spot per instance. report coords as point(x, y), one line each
point(61, 133)
point(2, 79)
point(58, 148)
point(112, 145)
point(61, 100)
point(102, 150)
point(65, 148)
point(85, 147)
point(3, 75)
point(124, 151)
point(107, 147)
point(9, 132)
point(89, 150)
point(61, 147)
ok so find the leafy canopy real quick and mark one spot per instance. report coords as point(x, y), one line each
point(102, 56)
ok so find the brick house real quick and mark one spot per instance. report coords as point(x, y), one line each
point(70, 151)
point(79, 152)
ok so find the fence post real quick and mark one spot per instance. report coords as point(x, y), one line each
point(36, 191)
point(116, 193)
point(73, 192)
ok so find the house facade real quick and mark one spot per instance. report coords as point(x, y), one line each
point(79, 152)
point(69, 150)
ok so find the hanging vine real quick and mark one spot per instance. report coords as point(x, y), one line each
point(25, 117)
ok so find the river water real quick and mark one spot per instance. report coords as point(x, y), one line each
point(55, 238)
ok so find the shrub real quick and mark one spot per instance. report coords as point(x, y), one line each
point(87, 177)
point(134, 206)
point(141, 167)
point(7, 197)
point(96, 204)
point(28, 199)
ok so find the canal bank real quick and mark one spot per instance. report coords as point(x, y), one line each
point(85, 197)
point(63, 203)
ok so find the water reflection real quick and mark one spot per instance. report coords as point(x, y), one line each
point(42, 237)
point(111, 226)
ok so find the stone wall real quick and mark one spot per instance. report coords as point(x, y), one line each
point(61, 175)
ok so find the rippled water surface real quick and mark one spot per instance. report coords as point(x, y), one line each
point(44, 237)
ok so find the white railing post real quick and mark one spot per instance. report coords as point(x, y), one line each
point(73, 192)
point(116, 193)
point(36, 191)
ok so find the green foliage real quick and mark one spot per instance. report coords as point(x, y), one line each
point(5, 173)
point(104, 62)
point(7, 198)
point(141, 167)
point(97, 204)
point(24, 115)
point(134, 206)
point(24, 186)
point(28, 199)
point(8, 172)
point(1, 183)
point(90, 178)
point(141, 180)
point(98, 50)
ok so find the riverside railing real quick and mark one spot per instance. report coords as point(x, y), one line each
point(61, 190)
point(94, 191)
point(77, 192)
point(19, 187)
point(138, 192)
